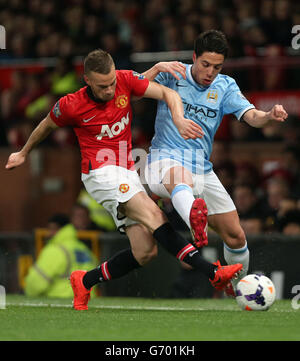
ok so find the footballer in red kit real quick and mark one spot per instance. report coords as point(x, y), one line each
point(102, 125)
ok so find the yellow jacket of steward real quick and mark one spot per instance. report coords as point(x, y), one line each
point(99, 214)
point(63, 254)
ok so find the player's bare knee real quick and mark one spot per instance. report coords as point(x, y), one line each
point(149, 256)
point(156, 217)
point(236, 239)
point(145, 256)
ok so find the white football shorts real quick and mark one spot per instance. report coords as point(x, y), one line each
point(110, 186)
point(206, 186)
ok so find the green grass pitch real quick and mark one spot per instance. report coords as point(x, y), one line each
point(137, 319)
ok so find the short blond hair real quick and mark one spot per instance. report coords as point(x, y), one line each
point(98, 61)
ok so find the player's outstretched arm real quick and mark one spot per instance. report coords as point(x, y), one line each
point(187, 128)
point(258, 118)
point(172, 67)
point(39, 133)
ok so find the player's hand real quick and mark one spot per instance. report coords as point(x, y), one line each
point(171, 67)
point(188, 129)
point(278, 113)
point(15, 160)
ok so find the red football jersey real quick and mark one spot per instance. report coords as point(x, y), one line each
point(103, 129)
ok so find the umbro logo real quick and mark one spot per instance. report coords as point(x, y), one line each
point(87, 120)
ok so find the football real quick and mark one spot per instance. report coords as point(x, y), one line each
point(255, 293)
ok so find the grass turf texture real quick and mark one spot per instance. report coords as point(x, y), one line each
point(135, 319)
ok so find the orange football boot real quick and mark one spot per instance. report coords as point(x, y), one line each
point(224, 274)
point(81, 294)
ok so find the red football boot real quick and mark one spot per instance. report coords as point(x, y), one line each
point(224, 274)
point(198, 221)
point(81, 294)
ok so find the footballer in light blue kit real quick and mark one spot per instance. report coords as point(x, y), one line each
point(180, 168)
point(206, 105)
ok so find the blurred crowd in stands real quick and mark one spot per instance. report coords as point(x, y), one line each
point(45, 28)
point(266, 200)
point(266, 195)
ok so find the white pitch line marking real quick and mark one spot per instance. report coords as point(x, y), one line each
point(116, 307)
point(133, 308)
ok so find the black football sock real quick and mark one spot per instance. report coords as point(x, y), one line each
point(119, 265)
point(182, 249)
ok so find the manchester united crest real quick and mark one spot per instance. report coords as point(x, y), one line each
point(122, 101)
point(124, 188)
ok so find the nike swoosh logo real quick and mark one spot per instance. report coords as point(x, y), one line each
point(177, 83)
point(87, 120)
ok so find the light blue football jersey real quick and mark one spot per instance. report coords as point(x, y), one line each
point(204, 105)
